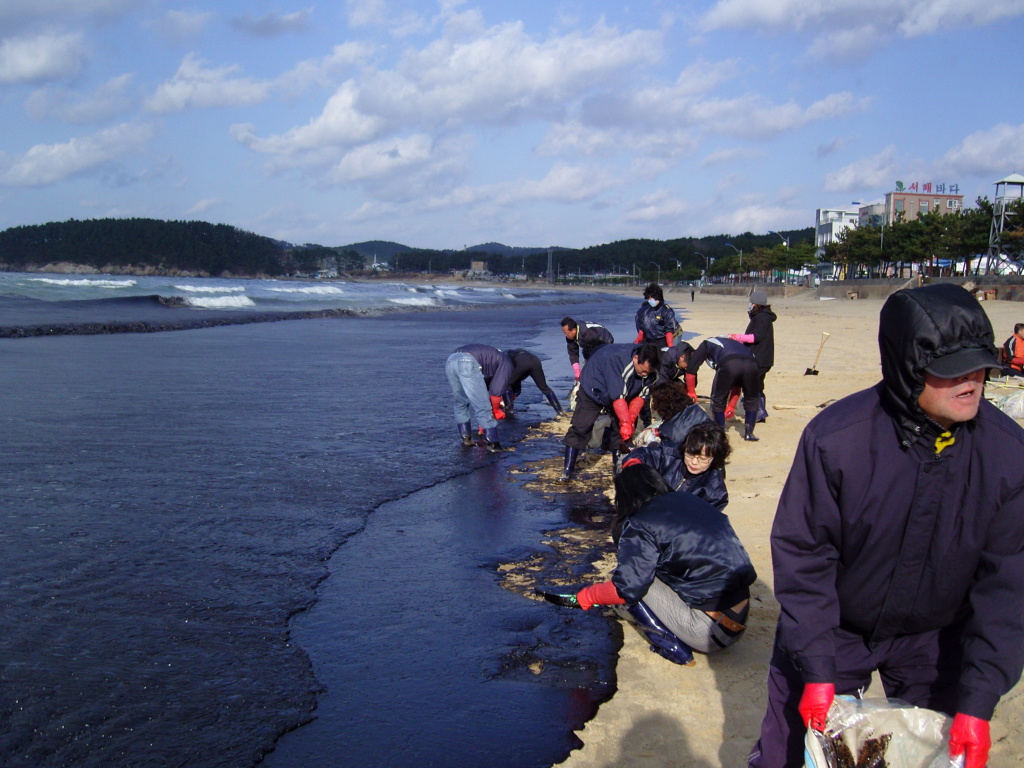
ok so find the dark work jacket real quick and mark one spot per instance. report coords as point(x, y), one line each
point(494, 365)
point(589, 336)
point(670, 370)
point(876, 534)
point(608, 375)
point(526, 364)
point(667, 459)
point(655, 322)
point(763, 346)
point(689, 545)
point(715, 351)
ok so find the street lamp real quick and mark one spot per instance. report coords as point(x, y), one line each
point(707, 269)
point(785, 242)
point(659, 270)
point(740, 252)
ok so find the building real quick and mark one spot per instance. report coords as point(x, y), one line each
point(908, 202)
point(829, 222)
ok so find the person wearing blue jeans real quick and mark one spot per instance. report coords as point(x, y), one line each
point(479, 375)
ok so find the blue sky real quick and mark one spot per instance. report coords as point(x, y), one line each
point(534, 123)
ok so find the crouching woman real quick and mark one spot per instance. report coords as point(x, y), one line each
point(682, 576)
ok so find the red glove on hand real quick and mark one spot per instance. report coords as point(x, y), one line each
point(622, 414)
point(746, 338)
point(969, 736)
point(814, 704)
point(576, 370)
point(635, 406)
point(602, 593)
point(691, 386)
point(639, 337)
point(496, 408)
point(669, 338)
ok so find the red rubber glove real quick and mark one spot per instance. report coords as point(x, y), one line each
point(602, 593)
point(691, 386)
point(734, 397)
point(496, 411)
point(814, 704)
point(969, 736)
point(576, 370)
point(622, 414)
point(746, 338)
point(635, 406)
point(639, 337)
point(669, 338)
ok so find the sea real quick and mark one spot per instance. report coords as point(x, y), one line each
point(238, 528)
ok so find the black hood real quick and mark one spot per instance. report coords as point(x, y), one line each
point(917, 326)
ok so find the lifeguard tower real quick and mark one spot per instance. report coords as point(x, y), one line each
point(1008, 191)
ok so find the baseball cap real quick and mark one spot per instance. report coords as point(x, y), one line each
point(961, 362)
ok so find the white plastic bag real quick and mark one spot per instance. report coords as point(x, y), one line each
point(1012, 405)
point(880, 733)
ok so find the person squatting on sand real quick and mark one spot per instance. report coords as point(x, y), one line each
point(655, 320)
point(760, 340)
point(527, 364)
point(898, 542)
point(734, 366)
point(616, 379)
point(478, 375)
point(682, 575)
point(585, 338)
point(674, 361)
point(1011, 354)
point(690, 450)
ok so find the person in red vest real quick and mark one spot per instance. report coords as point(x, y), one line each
point(1012, 353)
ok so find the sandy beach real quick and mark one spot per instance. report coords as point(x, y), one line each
point(708, 716)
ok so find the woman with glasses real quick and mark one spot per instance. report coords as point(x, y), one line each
point(691, 450)
point(682, 576)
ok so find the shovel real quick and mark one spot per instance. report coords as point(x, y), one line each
point(813, 370)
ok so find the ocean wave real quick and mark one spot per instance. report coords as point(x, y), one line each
point(325, 290)
point(220, 302)
point(424, 302)
point(211, 289)
point(82, 281)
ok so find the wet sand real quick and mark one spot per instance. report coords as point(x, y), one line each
point(709, 715)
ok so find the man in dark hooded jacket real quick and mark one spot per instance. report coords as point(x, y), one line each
point(898, 543)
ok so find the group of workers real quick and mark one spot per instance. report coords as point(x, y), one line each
point(898, 540)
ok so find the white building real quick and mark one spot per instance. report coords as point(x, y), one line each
point(829, 222)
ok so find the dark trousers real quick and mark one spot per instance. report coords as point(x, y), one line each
point(736, 372)
point(582, 425)
point(921, 669)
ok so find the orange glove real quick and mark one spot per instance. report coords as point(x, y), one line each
point(969, 736)
point(734, 397)
point(639, 337)
point(496, 411)
point(622, 414)
point(815, 702)
point(691, 386)
point(635, 406)
point(669, 338)
point(602, 593)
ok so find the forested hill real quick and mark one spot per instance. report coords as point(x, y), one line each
point(134, 245)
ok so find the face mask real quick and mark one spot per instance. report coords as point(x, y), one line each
point(653, 302)
point(750, 307)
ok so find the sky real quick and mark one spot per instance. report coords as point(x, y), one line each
point(534, 123)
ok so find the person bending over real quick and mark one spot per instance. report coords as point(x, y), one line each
point(527, 364)
point(682, 576)
point(898, 542)
point(585, 339)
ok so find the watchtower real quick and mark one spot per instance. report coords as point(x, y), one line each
point(1008, 192)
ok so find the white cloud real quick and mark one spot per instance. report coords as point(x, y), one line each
point(756, 217)
point(326, 70)
point(16, 14)
point(731, 156)
point(109, 99)
point(181, 27)
point(205, 205)
point(194, 86)
point(999, 150)
point(274, 24)
point(49, 163)
point(41, 58)
point(658, 206)
point(873, 172)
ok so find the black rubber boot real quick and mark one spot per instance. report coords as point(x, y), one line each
point(762, 410)
point(719, 418)
point(749, 420)
point(491, 436)
point(553, 400)
point(571, 455)
point(663, 640)
point(509, 401)
point(466, 433)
